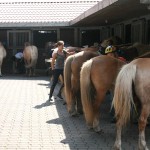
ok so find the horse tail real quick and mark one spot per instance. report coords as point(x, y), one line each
point(4, 52)
point(86, 92)
point(123, 98)
point(34, 56)
point(67, 78)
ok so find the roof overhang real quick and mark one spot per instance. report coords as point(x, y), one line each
point(105, 12)
point(109, 12)
point(41, 13)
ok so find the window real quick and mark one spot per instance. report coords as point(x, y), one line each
point(18, 38)
point(41, 37)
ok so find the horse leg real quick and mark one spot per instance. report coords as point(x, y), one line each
point(77, 94)
point(30, 72)
point(72, 103)
point(79, 104)
point(27, 71)
point(33, 71)
point(96, 106)
point(142, 124)
point(117, 145)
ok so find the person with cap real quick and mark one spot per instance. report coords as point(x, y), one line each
point(112, 52)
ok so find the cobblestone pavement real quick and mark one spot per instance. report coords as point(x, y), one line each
point(29, 121)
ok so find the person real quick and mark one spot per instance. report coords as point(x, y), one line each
point(19, 62)
point(57, 65)
point(112, 52)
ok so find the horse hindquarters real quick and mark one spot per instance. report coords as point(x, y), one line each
point(90, 101)
point(123, 99)
point(2, 56)
point(34, 57)
point(85, 85)
point(30, 58)
point(67, 85)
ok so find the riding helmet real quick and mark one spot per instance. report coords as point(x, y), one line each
point(110, 49)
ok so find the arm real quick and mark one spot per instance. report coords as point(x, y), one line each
point(69, 53)
point(53, 60)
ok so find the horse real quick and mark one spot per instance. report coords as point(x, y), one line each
point(30, 55)
point(2, 56)
point(97, 76)
point(79, 49)
point(72, 69)
point(128, 52)
point(141, 48)
point(114, 40)
point(134, 51)
point(132, 87)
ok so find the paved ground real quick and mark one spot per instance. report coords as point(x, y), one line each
point(29, 121)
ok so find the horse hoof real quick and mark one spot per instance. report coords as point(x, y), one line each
point(117, 148)
point(98, 130)
point(89, 127)
point(74, 114)
point(80, 112)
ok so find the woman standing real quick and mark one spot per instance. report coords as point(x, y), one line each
point(57, 65)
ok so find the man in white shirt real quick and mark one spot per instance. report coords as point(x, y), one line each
point(19, 55)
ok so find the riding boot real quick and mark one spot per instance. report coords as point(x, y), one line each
point(60, 90)
point(51, 92)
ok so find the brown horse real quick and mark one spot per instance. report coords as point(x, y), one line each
point(79, 49)
point(141, 48)
point(72, 80)
point(133, 79)
point(30, 55)
point(97, 76)
point(2, 56)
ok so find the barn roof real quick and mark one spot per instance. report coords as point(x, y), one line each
point(27, 13)
point(51, 13)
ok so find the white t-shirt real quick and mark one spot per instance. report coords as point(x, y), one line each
point(19, 55)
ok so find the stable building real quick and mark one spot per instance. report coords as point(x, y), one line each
point(76, 22)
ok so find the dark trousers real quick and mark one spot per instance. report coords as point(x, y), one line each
point(56, 73)
point(20, 65)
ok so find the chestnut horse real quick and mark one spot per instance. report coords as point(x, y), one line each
point(97, 76)
point(72, 80)
point(2, 56)
point(133, 79)
point(30, 55)
point(79, 49)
